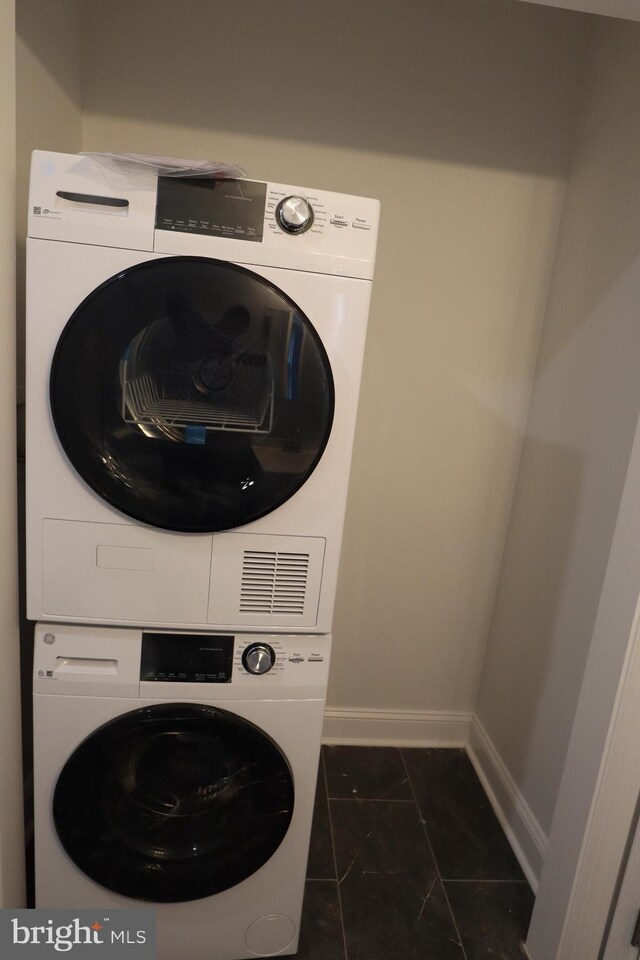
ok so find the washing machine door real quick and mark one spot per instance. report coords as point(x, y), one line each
point(192, 394)
point(173, 802)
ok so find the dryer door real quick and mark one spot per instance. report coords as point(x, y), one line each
point(173, 802)
point(192, 394)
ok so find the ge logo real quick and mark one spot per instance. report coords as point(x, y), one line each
point(49, 638)
point(41, 673)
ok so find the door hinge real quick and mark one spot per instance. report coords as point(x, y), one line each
point(635, 936)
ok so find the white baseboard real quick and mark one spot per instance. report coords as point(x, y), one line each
point(396, 728)
point(527, 838)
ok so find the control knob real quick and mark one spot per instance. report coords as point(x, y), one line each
point(258, 658)
point(294, 214)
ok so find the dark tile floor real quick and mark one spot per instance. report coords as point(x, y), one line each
point(408, 862)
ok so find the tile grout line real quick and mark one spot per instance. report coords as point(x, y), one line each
point(482, 880)
point(333, 850)
point(371, 799)
point(435, 862)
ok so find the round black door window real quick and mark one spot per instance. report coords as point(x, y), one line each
point(173, 802)
point(191, 394)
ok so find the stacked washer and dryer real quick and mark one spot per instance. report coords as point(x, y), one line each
point(194, 349)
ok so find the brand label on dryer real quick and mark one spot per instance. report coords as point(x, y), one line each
point(40, 211)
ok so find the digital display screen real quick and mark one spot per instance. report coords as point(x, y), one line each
point(186, 658)
point(220, 208)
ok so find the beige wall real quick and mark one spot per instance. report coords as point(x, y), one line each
point(11, 831)
point(581, 425)
point(630, 9)
point(456, 116)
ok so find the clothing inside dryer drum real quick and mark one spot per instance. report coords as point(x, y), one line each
point(191, 394)
point(173, 802)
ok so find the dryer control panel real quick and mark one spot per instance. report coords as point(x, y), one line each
point(277, 224)
point(78, 199)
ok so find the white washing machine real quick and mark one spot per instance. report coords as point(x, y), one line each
point(194, 350)
point(178, 771)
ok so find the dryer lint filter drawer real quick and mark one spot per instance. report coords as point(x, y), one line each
point(262, 580)
point(109, 571)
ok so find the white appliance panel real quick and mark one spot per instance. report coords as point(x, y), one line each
point(141, 574)
point(55, 492)
point(113, 571)
point(55, 217)
point(286, 704)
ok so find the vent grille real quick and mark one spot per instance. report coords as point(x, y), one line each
point(274, 582)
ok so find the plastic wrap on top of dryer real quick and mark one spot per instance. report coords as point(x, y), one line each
point(195, 413)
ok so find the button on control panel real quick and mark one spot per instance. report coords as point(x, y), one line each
point(280, 659)
point(258, 658)
point(318, 215)
point(294, 215)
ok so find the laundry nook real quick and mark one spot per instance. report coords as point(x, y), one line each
point(320, 479)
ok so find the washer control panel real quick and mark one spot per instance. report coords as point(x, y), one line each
point(186, 657)
point(213, 658)
point(256, 657)
point(87, 660)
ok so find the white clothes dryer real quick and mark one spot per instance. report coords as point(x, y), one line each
point(178, 771)
point(194, 350)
